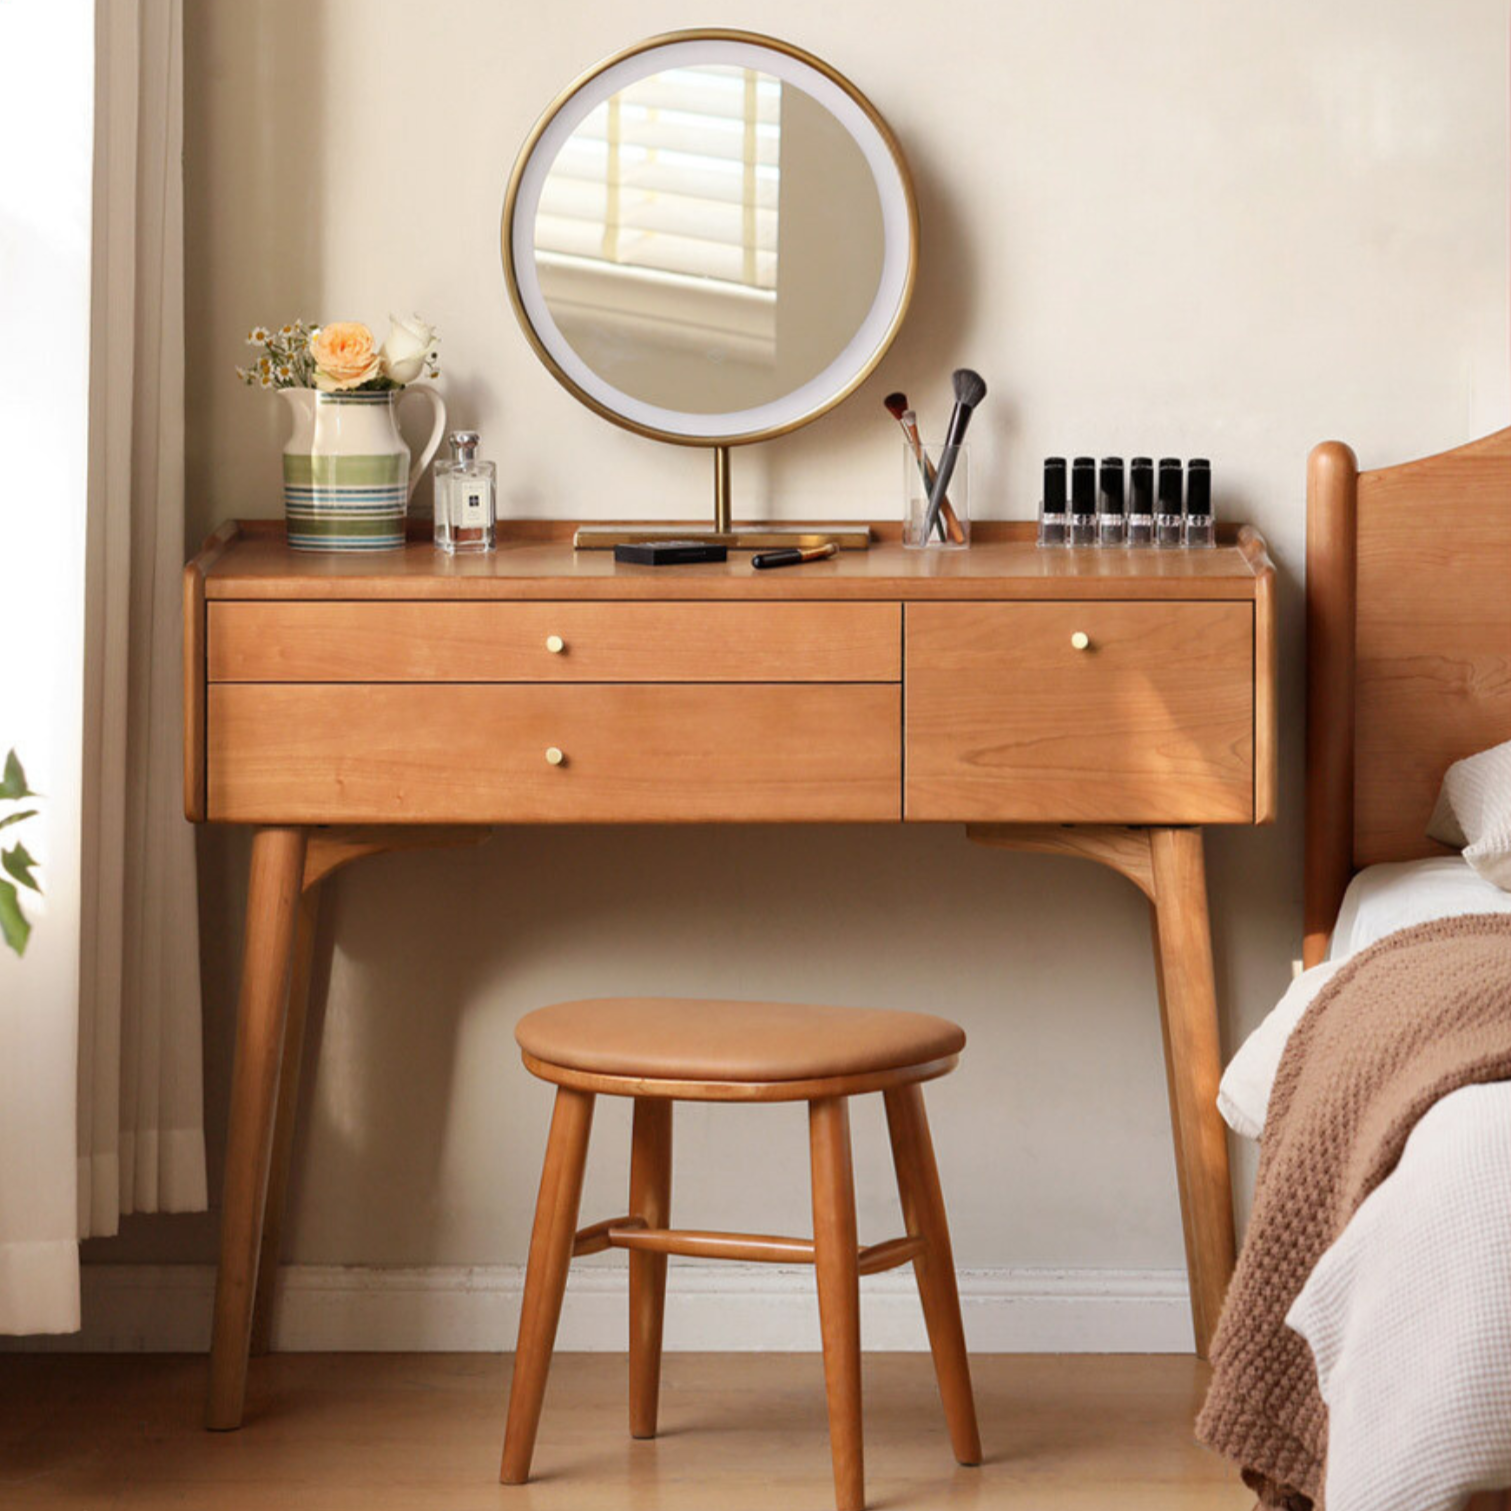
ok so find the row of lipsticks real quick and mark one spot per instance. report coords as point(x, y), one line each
point(1107, 507)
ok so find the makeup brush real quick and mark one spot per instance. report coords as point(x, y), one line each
point(970, 390)
point(897, 407)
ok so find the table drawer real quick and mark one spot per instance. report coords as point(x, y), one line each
point(1009, 721)
point(554, 642)
point(352, 753)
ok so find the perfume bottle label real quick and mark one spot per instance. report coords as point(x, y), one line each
point(473, 503)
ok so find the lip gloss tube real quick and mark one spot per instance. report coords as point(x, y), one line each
point(1054, 527)
point(1083, 501)
point(1111, 514)
point(1169, 518)
point(1201, 532)
point(1141, 501)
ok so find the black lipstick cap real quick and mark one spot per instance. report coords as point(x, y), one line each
point(1199, 486)
point(1054, 485)
point(1083, 486)
point(1141, 485)
point(1169, 485)
point(1112, 485)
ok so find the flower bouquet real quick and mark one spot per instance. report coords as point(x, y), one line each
point(341, 357)
point(346, 470)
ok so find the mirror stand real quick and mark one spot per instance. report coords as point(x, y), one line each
point(747, 537)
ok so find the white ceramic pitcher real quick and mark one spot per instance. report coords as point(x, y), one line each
point(346, 470)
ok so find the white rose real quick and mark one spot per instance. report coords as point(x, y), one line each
point(409, 344)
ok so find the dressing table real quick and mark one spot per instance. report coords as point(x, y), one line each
point(711, 238)
point(1095, 704)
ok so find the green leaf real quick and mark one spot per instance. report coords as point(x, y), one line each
point(19, 864)
point(13, 783)
point(13, 925)
point(15, 818)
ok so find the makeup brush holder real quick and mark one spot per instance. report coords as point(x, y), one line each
point(952, 532)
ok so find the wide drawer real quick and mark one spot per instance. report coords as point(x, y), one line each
point(1088, 712)
point(351, 753)
point(554, 642)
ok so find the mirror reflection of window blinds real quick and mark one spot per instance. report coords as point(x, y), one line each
point(677, 174)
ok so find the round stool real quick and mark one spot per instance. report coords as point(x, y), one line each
point(660, 1050)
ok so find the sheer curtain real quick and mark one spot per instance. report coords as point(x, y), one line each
point(46, 97)
point(140, 1108)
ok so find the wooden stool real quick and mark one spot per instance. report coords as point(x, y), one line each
point(660, 1050)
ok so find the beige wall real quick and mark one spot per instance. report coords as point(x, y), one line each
point(1192, 226)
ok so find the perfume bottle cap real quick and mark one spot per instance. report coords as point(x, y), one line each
point(1112, 485)
point(1083, 486)
point(463, 445)
point(1199, 487)
point(1169, 485)
point(1141, 485)
point(1054, 485)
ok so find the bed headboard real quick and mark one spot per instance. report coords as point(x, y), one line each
point(1408, 662)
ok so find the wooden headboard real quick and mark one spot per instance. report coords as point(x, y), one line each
point(1408, 620)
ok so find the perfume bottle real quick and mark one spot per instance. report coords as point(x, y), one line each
point(1111, 515)
point(1083, 502)
point(1200, 531)
point(1054, 529)
point(1141, 501)
point(464, 498)
point(1169, 519)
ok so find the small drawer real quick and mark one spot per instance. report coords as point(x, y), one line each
point(554, 642)
point(380, 753)
point(1122, 713)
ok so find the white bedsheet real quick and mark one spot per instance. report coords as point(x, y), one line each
point(1382, 899)
point(1408, 1314)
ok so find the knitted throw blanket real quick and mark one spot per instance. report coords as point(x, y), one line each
point(1414, 1017)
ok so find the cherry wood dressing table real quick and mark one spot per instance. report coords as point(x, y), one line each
point(1100, 704)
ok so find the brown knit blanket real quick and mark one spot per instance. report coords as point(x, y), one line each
point(1405, 1022)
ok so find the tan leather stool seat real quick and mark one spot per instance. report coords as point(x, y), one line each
point(694, 1039)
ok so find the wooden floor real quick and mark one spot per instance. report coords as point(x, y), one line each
point(407, 1432)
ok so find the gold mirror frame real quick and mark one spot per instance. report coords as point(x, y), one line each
point(724, 530)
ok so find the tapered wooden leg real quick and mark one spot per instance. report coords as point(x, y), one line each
point(835, 1262)
point(1193, 1065)
point(650, 1200)
point(272, 901)
point(306, 922)
point(546, 1276)
point(924, 1214)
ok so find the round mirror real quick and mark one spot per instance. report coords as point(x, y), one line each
point(710, 238)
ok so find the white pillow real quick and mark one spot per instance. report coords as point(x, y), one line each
point(1473, 812)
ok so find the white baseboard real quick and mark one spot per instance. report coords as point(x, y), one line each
point(166, 1308)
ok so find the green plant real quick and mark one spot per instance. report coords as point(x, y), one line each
point(15, 861)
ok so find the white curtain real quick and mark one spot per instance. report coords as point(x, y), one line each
point(46, 124)
point(140, 1107)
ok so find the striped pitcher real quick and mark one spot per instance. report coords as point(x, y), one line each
point(346, 470)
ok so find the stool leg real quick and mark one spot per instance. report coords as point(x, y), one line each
point(835, 1260)
point(650, 1200)
point(546, 1275)
point(923, 1212)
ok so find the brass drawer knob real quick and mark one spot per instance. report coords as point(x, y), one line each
point(555, 644)
point(1081, 640)
point(554, 757)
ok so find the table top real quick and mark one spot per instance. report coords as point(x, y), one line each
point(535, 560)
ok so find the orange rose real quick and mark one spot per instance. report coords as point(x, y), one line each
point(344, 355)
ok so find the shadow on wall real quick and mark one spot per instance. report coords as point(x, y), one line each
point(273, 91)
